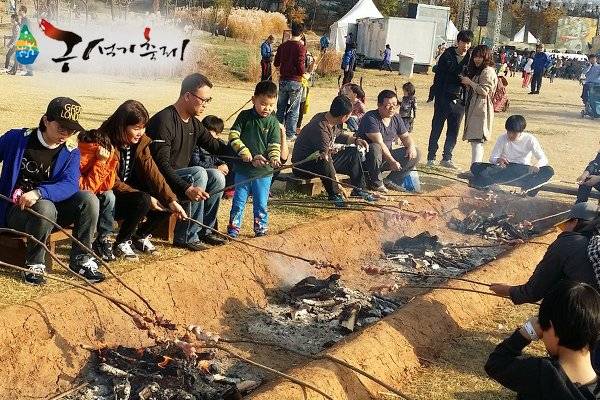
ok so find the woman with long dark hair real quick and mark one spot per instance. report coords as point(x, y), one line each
point(139, 191)
point(480, 81)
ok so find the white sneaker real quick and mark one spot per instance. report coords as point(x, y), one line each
point(33, 277)
point(124, 250)
point(144, 245)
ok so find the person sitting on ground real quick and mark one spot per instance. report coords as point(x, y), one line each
point(255, 136)
point(201, 158)
point(408, 105)
point(510, 161)
point(357, 96)
point(140, 195)
point(589, 179)
point(40, 170)
point(569, 325)
point(566, 258)
point(324, 134)
point(380, 128)
point(175, 132)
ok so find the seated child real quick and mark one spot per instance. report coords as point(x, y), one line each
point(510, 161)
point(201, 158)
point(357, 97)
point(408, 105)
point(256, 137)
point(588, 180)
point(568, 323)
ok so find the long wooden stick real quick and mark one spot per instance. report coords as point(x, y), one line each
point(70, 391)
point(76, 285)
point(90, 251)
point(451, 288)
point(328, 357)
point(550, 216)
point(62, 264)
point(236, 240)
point(274, 371)
point(453, 278)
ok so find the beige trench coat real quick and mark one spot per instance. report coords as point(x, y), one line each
point(479, 113)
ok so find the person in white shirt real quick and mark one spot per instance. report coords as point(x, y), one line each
point(511, 160)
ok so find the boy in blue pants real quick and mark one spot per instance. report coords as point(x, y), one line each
point(255, 136)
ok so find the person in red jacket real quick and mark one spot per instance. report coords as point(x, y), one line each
point(290, 59)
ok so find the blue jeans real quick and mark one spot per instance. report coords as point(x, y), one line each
point(205, 212)
point(260, 196)
point(106, 217)
point(290, 92)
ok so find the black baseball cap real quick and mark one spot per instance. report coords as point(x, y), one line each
point(585, 211)
point(66, 112)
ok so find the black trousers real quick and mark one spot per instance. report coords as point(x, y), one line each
point(375, 164)
point(445, 110)
point(486, 174)
point(348, 76)
point(583, 194)
point(266, 69)
point(9, 54)
point(346, 162)
point(536, 81)
point(132, 208)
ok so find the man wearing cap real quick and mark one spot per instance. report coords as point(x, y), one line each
point(566, 258)
point(40, 170)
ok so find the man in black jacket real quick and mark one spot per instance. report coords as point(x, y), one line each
point(176, 131)
point(566, 258)
point(448, 93)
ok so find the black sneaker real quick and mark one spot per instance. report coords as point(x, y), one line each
point(363, 194)
point(213, 239)
point(103, 248)
point(338, 200)
point(260, 234)
point(192, 246)
point(88, 268)
point(391, 185)
point(34, 276)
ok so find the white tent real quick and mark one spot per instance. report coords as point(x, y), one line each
point(451, 32)
point(520, 37)
point(339, 29)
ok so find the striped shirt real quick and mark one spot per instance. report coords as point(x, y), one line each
point(125, 163)
point(254, 135)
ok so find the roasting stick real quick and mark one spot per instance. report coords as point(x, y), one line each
point(90, 251)
point(453, 278)
point(274, 371)
point(328, 357)
point(91, 286)
point(70, 391)
point(318, 264)
point(68, 282)
point(550, 216)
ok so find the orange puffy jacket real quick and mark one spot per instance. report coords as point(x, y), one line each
point(96, 177)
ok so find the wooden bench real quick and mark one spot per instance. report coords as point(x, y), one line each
point(12, 248)
point(166, 231)
point(307, 186)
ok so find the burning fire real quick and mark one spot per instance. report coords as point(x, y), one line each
point(166, 360)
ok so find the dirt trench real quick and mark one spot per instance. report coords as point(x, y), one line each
point(40, 341)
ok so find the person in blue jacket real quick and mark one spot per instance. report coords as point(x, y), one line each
point(266, 59)
point(40, 170)
point(349, 63)
point(541, 61)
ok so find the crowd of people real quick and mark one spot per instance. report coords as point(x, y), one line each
point(139, 170)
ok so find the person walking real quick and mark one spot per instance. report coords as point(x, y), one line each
point(12, 42)
point(527, 70)
point(266, 58)
point(480, 81)
point(387, 58)
point(349, 63)
point(541, 61)
point(448, 93)
point(290, 59)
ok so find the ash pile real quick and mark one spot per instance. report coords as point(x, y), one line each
point(162, 372)
point(316, 313)
point(491, 227)
point(425, 254)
